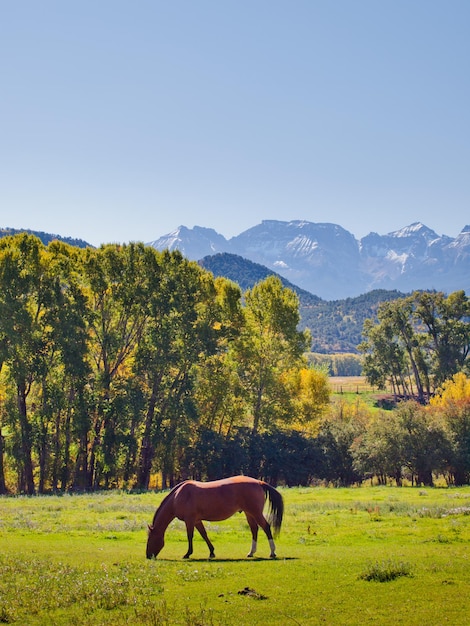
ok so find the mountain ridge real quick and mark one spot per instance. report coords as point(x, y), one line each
point(327, 260)
point(46, 238)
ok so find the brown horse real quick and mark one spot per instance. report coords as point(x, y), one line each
point(193, 501)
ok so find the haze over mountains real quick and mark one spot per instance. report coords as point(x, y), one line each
point(329, 262)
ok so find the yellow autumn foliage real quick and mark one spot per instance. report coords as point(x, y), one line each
point(456, 389)
point(310, 391)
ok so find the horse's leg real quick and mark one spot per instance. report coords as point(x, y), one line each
point(190, 533)
point(254, 533)
point(267, 529)
point(203, 533)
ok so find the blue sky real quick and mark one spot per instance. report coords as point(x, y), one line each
point(122, 120)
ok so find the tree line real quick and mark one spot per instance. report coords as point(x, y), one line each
point(121, 362)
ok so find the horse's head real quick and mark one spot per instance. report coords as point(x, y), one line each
point(155, 542)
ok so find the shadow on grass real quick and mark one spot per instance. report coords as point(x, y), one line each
point(222, 560)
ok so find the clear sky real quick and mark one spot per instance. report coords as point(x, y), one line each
point(121, 120)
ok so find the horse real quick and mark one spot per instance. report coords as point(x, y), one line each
point(193, 501)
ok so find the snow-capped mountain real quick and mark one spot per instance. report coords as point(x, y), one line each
point(328, 261)
point(194, 243)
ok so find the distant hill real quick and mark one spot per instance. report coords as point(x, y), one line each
point(46, 238)
point(336, 326)
point(246, 274)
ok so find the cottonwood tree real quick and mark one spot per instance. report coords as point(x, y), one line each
point(379, 451)
point(117, 279)
point(424, 441)
point(186, 326)
point(309, 392)
point(452, 404)
point(269, 345)
point(446, 320)
point(25, 336)
point(417, 342)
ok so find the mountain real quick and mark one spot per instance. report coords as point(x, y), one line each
point(328, 261)
point(194, 243)
point(46, 238)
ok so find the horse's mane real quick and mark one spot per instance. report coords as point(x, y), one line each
point(165, 499)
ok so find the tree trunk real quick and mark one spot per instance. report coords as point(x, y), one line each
point(425, 478)
point(147, 450)
point(56, 462)
point(42, 457)
point(26, 443)
point(64, 474)
point(3, 487)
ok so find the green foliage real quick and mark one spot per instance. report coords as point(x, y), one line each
point(385, 571)
point(348, 364)
point(269, 345)
point(418, 342)
point(123, 366)
point(116, 359)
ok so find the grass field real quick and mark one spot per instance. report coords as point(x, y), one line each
point(354, 389)
point(370, 555)
point(350, 384)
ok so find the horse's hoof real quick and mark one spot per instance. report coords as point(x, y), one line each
point(249, 556)
point(273, 556)
point(186, 556)
point(212, 555)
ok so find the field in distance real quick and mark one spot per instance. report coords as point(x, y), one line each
point(352, 384)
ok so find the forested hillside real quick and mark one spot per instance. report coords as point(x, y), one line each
point(247, 273)
point(335, 326)
point(46, 238)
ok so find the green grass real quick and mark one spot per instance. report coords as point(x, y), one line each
point(371, 555)
point(353, 389)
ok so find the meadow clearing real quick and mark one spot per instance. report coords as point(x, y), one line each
point(348, 556)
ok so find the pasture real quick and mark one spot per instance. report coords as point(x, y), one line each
point(367, 555)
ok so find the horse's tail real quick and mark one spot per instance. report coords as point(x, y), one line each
point(276, 506)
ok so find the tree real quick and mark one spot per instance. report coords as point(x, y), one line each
point(3, 486)
point(118, 286)
point(424, 337)
point(448, 330)
point(398, 315)
point(384, 359)
point(62, 388)
point(344, 425)
point(185, 328)
point(452, 405)
point(379, 451)
point(269, 345)
point(425, 445)
point(309, 391)
point(25, 336)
